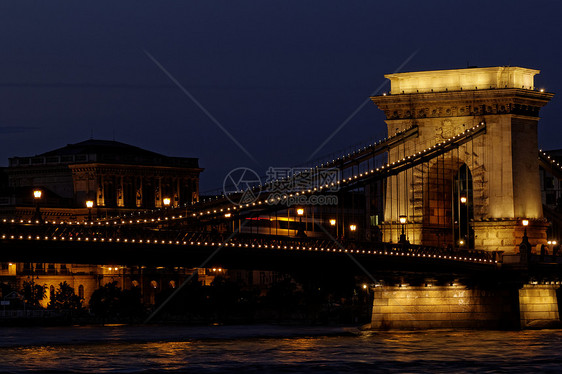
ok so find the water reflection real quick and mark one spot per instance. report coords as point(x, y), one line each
point(175, 349)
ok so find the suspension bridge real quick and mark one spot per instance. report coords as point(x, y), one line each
point(454, 189)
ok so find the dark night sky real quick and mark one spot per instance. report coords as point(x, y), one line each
point(279, 76)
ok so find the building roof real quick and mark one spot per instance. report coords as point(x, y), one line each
point(98, 146)
point(103, 151)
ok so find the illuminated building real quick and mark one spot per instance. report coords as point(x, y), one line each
point(115, 176)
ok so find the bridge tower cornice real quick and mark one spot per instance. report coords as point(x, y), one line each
point(462, 103)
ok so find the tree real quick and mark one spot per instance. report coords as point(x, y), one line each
point(131, 304)
point(65, 298)
point(33, 293)
point(106, 301)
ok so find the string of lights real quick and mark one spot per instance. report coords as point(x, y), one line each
point(417, 251)
point(551, 161)
point(389, 168)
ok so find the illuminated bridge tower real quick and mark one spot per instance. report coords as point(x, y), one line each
point(478, 194)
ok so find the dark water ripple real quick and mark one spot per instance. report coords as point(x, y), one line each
point(270, 349)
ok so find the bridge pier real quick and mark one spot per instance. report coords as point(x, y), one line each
point(405, 307)
point(538, 306)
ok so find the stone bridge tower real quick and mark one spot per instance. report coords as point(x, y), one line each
point(476, 195)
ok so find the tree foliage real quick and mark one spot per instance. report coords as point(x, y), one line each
point(33, 293)
point(64, 298)
point(110, 301)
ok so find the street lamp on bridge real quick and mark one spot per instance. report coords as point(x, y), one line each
point(525, 246)
point(333, 223)
point(166, 201)
point(89, 205)
point(37, 194)
point(525, 223)
point(553, 247)
point(402, 220)
point(300, 213)
point(228, 216)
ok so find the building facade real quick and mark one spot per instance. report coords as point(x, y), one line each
point(114, 175)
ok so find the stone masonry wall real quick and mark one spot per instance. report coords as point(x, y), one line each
point(441, 307)
point(538, 306)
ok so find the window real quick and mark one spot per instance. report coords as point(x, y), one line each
point(81, 291)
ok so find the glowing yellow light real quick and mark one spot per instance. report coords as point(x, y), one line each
point(300, 211)
point(402, 220)
point(166, 201)
point(332, 222)
point(227, 215)
point(463, 199)
point(364, 286)
point(89, 204)
point(352, 227)
point(525, 222)
point(37, 194)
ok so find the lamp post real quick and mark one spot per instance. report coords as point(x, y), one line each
point(525, 246)
point(353, 228)
point(300, 213)
point(166, 202)
point(553, 247)
point(228, 216)
point(37, 194)
point(402, 220)
point(333, 223)
point(89, 205)
point(525, 223)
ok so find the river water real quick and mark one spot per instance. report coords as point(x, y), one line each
point(259, 349)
